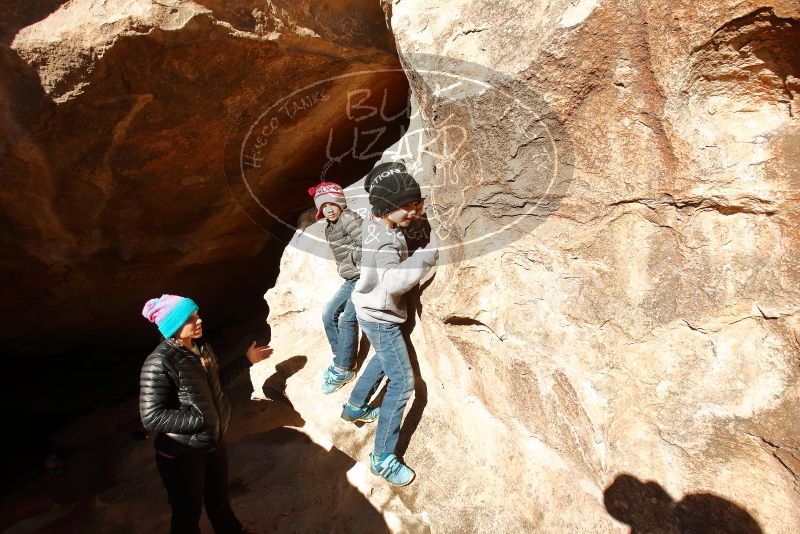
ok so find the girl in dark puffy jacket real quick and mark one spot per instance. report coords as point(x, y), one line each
point(343, 233)
point(181, 399)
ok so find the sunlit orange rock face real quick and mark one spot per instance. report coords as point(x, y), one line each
point(122, 126)
point(629, 360)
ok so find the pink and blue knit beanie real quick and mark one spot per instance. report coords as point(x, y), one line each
point(169, 312)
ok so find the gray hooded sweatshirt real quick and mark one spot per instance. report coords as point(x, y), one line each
point(388, 273)
point(344, 237)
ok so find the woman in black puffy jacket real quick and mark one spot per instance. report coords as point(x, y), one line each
point(181, 399)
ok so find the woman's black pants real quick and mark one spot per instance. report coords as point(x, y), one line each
point(194, 479)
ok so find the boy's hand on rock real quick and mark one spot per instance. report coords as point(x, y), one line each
point(433, 242)
point(433, 246)
point(258, 353)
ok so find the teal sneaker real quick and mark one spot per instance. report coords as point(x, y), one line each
point(333, 380)
point(353, 413)
point(391, 469)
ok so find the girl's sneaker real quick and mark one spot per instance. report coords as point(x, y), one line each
point(392, 469)
point(353, 413)
point(334, 380)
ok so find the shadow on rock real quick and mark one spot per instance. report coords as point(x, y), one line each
point(414, 415)
point(16, 15)
point(248, 415)
point(280, 481)
point(275, 385)
point(648, 509)
point(284, 482)
point(363, 351)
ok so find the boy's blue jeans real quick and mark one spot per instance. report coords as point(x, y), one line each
point(341, 325)
point(390, 359)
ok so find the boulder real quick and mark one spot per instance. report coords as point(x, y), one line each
point(123, 123)
point(621, 351)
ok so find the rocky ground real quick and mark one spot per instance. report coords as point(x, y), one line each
point(282, 479)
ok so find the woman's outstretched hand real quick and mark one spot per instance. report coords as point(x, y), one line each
point(257, 354)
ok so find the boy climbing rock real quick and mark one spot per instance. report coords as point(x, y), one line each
point(343, 232)
point(388, 272)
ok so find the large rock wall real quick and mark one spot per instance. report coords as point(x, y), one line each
point(631, 357)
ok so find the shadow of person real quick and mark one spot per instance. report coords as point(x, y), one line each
point(706, 512)
point(281, 412)
point(648, 509)
point(274, 386)
point(284, 482)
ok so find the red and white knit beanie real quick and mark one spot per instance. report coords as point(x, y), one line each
point(327, 192)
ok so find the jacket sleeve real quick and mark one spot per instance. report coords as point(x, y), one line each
point(233, 370)
point(399, 277)
point(156, 389)
point(353, 229)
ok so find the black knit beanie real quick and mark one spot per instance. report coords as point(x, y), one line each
point(392, 191)
point(382, 171)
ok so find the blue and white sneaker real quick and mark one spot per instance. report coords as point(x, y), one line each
point(353, 413)
point(391, 469)
point(334, 380)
